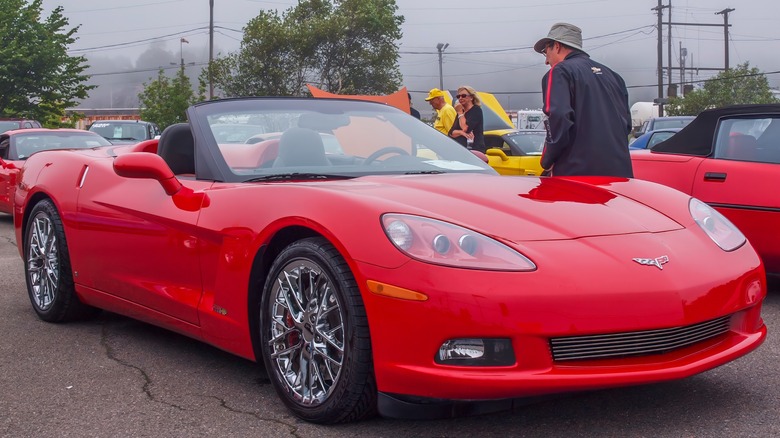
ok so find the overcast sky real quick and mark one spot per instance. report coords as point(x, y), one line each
point(489, 40)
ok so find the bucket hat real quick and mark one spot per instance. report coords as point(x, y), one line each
point(563, 33)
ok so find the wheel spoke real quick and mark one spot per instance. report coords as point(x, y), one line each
point(332, 340)
point(287, 351)
point(289, 292)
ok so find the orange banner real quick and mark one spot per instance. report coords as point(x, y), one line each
point(399, 99)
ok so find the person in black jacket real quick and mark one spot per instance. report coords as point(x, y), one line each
point(468, 129)
point(586, 103)
point(412, 110)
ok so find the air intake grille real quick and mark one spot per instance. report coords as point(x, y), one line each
point(635, 343)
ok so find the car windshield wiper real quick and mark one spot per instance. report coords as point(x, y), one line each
point(424, 172)
point(298, 176)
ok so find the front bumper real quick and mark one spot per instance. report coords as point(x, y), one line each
point(558, 300)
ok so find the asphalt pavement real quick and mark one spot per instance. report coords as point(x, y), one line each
point(116, 377)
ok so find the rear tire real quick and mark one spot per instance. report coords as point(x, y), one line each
point(314, 335)
point(47, 268)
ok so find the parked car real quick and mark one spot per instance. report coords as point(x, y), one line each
point(125, 131)
point(649, 139)
point(377, 280)
point(17, 145)
point(729, 158)
point(656, 123)
point(9, 124)
point(515, 152)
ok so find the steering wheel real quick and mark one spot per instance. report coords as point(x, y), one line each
point(384, 151)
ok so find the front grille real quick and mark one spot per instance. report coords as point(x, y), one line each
point(635, 343)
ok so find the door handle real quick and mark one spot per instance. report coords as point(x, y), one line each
point(714, 176)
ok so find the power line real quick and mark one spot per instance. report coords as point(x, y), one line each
point(123, 7)
point(510, 49)
point(187, 32)
point(145, 70)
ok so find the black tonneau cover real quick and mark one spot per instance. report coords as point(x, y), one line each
point(698, 137)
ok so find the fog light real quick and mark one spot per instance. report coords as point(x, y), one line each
point(476, 352)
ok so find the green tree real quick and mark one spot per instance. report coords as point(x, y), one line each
point(347, 46)
point(38, 79)
point(165, 100)
point(740, 85)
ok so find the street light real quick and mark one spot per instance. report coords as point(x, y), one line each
point(181, 50)
point(441, 47)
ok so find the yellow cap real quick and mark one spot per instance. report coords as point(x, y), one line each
point(434, 93)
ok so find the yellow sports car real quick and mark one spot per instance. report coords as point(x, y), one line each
point(510, 151)
point(515, 152)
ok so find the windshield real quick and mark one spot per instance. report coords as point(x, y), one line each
point(121, 130)
point(336, 138)
point(529, 143)
point(24, 145)
point(671, 123)
point(7, 126)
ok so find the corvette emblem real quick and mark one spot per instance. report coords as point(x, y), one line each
point(658, 262)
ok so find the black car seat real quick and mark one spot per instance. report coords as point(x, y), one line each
point(301, 147)
point(742, 147)
point(177, 148)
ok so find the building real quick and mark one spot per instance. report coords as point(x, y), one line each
point(92, 115)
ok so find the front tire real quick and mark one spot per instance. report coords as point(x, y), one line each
point(314, 335)
point(47, 268)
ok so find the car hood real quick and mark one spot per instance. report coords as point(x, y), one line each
point(514, 208)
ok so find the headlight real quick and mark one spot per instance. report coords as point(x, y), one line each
point(720, 229)
point(442, 243)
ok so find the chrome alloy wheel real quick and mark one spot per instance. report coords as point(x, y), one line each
point(43, 261)
point(307, 331)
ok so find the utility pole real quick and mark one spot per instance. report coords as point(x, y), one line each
point(211, 47)
point(725, 26)
point(659, 9)
point(682, 64)
point(669, 49)
point(441, 47)
point(725, 14)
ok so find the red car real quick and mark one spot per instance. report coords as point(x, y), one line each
point(11, 124)
point(400, 275)
point(729, 158)
point(17, 145)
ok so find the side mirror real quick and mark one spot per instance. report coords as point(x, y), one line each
point(152, 166)
point(495, 152)
point(147, 165)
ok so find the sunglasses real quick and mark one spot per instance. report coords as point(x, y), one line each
point(550, 46)
point(462, 96)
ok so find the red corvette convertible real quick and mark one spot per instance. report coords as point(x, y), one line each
point(399, 274)
point(17, 145)
point(729, 158)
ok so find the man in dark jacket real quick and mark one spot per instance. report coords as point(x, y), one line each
point(587, 108)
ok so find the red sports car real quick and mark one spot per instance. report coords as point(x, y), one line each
point(729, 158)
point(400, 275)
point(17, 145)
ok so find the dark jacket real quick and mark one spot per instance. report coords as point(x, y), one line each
point(475, 120)
point(589, 119)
